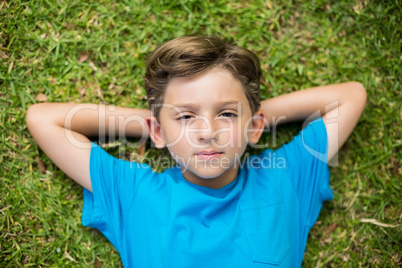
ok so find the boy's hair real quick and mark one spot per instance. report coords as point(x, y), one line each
point(189, 56)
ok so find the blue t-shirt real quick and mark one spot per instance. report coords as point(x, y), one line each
point(261, 219)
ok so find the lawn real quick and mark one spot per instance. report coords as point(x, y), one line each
point(95, 51)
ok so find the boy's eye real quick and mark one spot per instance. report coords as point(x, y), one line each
point(228, 114)
point(184, 117)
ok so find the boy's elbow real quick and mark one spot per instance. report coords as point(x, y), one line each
point(33, 115)
point(359, 93)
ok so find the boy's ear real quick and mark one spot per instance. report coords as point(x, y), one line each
point(257, 127)
point(155, 131)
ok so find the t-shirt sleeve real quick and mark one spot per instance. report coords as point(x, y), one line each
point(111, 178)
point(306, 165)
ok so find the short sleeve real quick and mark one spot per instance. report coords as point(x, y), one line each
point(111, 179)
point(307, 168)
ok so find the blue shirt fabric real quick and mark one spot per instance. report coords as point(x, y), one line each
point(261, 219)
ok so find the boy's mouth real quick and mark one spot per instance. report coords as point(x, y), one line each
point(207, 155)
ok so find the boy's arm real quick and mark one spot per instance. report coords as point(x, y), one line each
point(61, 130)
point(340, 106)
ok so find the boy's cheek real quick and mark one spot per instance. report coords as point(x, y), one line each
point(173, 141)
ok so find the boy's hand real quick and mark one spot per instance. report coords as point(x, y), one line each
point(340, 106)
point(61, 130)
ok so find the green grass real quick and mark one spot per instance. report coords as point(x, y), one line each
point(300, 43)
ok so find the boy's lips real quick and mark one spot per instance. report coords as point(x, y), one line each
point(208, 152)
point(207, 155)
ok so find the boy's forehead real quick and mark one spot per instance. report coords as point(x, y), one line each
point(215, 86)
point(235, 104)
point(197, 104)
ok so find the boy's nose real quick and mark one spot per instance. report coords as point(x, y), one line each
point(205, 129)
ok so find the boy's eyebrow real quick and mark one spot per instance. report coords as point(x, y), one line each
point(196, 105)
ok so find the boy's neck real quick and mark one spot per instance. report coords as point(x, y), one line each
point(215, 183)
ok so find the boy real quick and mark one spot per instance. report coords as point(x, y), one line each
point(211, 210)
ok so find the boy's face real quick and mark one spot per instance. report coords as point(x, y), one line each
point(206, 123)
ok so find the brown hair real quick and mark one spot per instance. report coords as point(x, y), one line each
point(189, 56)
